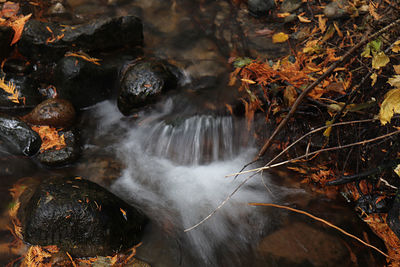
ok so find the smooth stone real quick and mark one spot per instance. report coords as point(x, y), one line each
point(18, 136)
point(260, 8)
point(79, 217)
point(142, 83)
point(55, 112)
point(290, 5)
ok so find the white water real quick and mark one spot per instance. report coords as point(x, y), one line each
point(176, 174)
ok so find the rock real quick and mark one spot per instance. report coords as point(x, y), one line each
point(38, 42)
point(142, 82)
point(55, 112)
point(290, 5)
point(393, 218)
point(260, 8)
point(335, 10)
point(18, 136)
point(79, 217)
point(83, 83)
point(6, 35)
point(25, 91)
point(58, 157)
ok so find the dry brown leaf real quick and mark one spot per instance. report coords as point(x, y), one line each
point(283, 15)
point(396, 46)
point(10, 9)
point(396, 69)
point(372, 11)
point(322, 23)
point(303, 19)
point(290, 95)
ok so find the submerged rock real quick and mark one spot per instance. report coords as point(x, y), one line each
point(82, 82)
point(142, 82)
point(6, 35)
point(54, 112)
point(18, 136)
point(24, 90)
point(80, 217)
point(44, 40)
point(259, 8)
point(54, 157)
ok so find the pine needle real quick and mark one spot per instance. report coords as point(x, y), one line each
point(323, 221)
point(10, 88)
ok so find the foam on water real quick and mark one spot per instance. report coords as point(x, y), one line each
point(176, 173)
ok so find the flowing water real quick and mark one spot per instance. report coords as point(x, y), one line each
point(171, 160)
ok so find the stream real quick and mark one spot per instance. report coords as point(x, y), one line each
point(171, 159)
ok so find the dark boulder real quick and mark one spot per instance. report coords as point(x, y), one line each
point(18, 136)
point(82, 82)
point(142, 82)
point(49, 41)
point(393, 218)
point(55, 112)
point(6, 35)
point(58, 157)
point(260, 8)
point(80, 217)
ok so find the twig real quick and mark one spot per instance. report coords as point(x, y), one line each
point(316, 82)
point(323, 221)
point(266, 167)
point(72, 261)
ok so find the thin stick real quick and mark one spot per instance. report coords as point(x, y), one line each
point(266, 167)
point(323, 221)
point(72, 261)
point(318, 81)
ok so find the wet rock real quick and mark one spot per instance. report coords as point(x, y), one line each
point(38, 42)
point(260, 8)
point(393, 218)
point(368, 204)
point(80, 217)
point(335, 10)
point(25, 91)
point(290, 5)
point(55, 112)
point(58, 157)
point(6, 35)
point(142, 82)
point(17, 66)
point(83, 83)
point(18, 136)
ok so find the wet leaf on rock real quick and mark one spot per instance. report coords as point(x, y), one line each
point(389, 106)
point(10, 88)
point(50, 138)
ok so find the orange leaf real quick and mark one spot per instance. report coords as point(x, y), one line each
point(18, 27)
point(303, 19)
point(50, 138)
point(283, 15)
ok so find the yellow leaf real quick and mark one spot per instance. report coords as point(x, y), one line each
point(380, 60)
point(328, 130)
point(248, 81)
point(396, 46)
point(394, 81)
point(11, 89)
point(390, 106)
point(397, 170)
point(322, 23)
point(50, 138)
point(396, 69)
point(280, 37)
point(373, 77)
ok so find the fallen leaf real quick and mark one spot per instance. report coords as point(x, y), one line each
point(303, 19)
point(396, 69)
point(10, 89)
point(280, 37)
point(10, 9)
point(283, 15)
point(380, 60)
point(322, 23)
point(290, 95)
point(264, 31)
point(390, 106)
point(18, 27)
point(240, 62)
point(50, 138)
point(394, 81)
point(397, 170)
point(396, 46)
point(373, 77)
point(372, 11)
